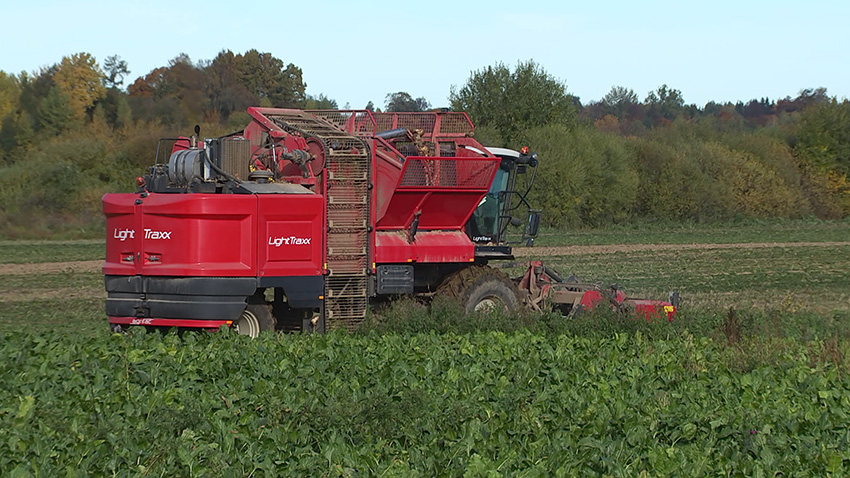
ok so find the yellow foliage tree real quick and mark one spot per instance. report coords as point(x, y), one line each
point(81, 79)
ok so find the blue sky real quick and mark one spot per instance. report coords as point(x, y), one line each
point(355, 52)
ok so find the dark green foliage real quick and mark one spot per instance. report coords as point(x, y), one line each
point(515, 101)
point(415, 405)
point(54, 113)
point(585, 176)
point(402, 101)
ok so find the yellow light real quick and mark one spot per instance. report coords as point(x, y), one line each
point(229, 323)
point(669, 309)
point(321, 297)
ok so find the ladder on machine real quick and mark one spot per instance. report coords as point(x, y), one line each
point(348, 203)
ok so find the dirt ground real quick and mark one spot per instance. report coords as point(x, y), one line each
point(611, 249)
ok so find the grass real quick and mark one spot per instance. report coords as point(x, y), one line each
point(713, 233)
point(83, 317)
point(60, 281)
point(28, 252)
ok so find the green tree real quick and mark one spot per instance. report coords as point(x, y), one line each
point(115, 69)
point(270, 81)
point(664, 103)
point(320, 102)
point(81, 80)
point(401, 101)
point(55, 114)
point(16, 131)
point(514, 101)
point(619, 100)
point(824, 136)
point(226, 93)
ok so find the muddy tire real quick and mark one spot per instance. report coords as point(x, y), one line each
point(255, 318)
point(481, 289)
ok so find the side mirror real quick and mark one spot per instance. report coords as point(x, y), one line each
point(533, 223)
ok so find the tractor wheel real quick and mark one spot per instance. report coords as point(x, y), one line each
point(254, 319)
point(481, 289)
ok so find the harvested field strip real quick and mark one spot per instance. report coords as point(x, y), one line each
point(615, 248)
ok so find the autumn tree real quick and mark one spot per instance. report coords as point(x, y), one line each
point(80, 79)
point(10, 92)
point(174, 94)
point(514, 101)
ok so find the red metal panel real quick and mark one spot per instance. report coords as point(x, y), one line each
point(444, 246)
point(198, 235)
point(290, 234)
point(401, 209)
point(122, 236)
point(445, 190)
point(393, 247)
point(429, 246)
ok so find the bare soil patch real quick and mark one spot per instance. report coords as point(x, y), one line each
point(615, 248)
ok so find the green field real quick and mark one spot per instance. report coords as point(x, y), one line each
point(759, 390)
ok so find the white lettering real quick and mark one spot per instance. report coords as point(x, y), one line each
point(151, 234)
point(141, 321)
point(289, 241)
point(123, 234)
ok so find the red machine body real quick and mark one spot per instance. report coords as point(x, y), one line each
point(299, 219)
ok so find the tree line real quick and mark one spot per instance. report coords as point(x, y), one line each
point(73, 131)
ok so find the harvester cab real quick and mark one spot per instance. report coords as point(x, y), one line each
point(505, 207)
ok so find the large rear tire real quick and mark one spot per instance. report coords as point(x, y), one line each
point(481, 289)
point(255, 318)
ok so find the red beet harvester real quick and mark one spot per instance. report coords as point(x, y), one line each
point(299, 220)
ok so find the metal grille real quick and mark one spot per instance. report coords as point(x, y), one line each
point(359, 123)
point(235, 156)
point(455, 123)
point(448, 172)
point(344, 292)
point(449, 124)
point(348, 219)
